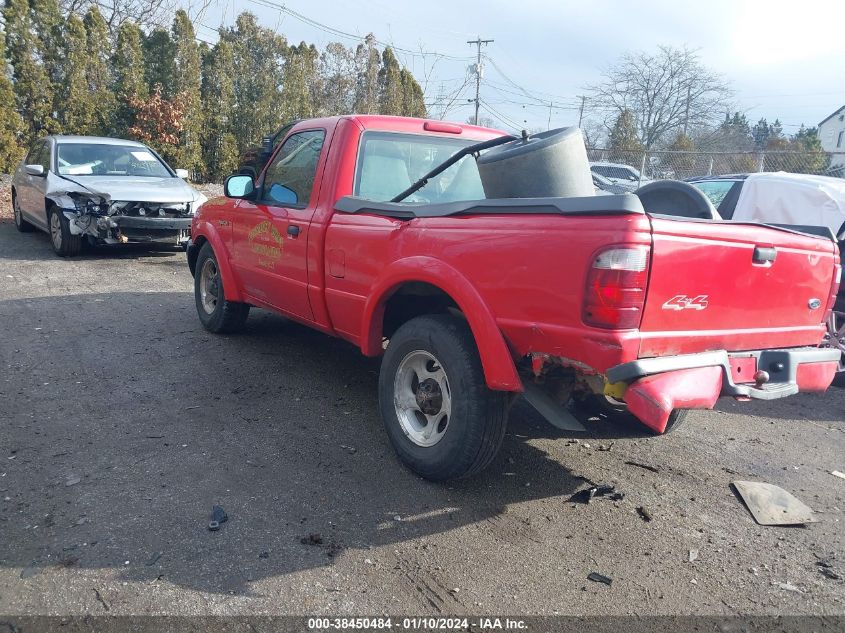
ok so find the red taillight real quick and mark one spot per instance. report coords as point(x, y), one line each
point(616, 286)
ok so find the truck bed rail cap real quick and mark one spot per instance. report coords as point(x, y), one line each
point(587, 205)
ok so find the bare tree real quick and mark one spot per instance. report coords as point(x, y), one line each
point(145, 13)
point(667, 91)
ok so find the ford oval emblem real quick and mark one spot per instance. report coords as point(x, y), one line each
point(815, 304)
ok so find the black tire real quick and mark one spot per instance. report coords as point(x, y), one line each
point(64, 243)
point(22, 225)
point(226, 316)
point(478, 415)
point(617, 412)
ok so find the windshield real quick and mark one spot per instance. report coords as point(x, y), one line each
point(389, 163)
point(94, 159)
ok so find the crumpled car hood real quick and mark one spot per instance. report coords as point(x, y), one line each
point(139, 189)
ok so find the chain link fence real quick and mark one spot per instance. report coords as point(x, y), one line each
point(679, 165)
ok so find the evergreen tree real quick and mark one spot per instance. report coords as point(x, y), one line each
point(159, 53)
point(623, 136)
point(48, 25)
point(186, 84)
point(337, 80)
point(219, 147)
point(298, 82)
point(390, 84)
point(32, 86)
point(257, 56)
point(761, 132)
point(413, 102)
point(98, 73)
point(11, 123)
point(367, 61)
point(77, 107)
point(682, 162)
point(129, 84)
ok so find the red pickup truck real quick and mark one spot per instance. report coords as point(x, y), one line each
point(472, 301)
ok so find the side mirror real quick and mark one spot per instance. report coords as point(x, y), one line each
point(34, 170)
point(239, 186)
point(184, 174)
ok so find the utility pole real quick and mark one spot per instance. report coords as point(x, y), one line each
point(478, 42)
point(549, 126)
point(581, 111)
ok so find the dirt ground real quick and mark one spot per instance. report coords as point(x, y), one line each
point(122, 422)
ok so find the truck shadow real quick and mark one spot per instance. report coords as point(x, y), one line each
point(126, 423)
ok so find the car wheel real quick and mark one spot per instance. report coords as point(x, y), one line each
point(64, 243)
point(441, 418)
point(22, 225)
point(597, 405)
point(216, 313)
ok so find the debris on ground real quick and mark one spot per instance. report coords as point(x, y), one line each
point(772, 505)
point(312, 539)
point(596, 577)
point(693, 555)
point(644, 513)
point(788, 586)
point(826, 567)
point(836, 473)
point(602, 490)
point(264, 555)
point(72, 480)
point(645, 466)
point(218, 518)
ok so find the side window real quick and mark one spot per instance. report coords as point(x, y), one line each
point(44, 156)
point(716, 190)
point(289, 179)
point(32, 155)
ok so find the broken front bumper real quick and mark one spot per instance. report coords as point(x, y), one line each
point(151, 229)
point(653, 387)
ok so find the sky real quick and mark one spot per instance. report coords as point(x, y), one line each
point(784, 60)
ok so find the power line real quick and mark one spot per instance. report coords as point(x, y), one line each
point(351, 36)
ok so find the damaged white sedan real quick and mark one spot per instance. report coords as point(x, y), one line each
point(101, 190)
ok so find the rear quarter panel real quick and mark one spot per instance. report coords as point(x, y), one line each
point(529, 269)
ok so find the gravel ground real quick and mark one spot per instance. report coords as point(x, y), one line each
point(122, 422)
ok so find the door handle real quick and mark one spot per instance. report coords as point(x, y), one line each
point(293, 230)
point(765, 254)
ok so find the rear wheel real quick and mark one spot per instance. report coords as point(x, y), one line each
point(22, 225)
point(441, 418)
point(597, 405)
point(65, 244)
point(216, 313)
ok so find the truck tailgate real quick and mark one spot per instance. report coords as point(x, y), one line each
point(731, 286)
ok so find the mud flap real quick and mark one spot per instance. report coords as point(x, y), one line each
point(653, 398)
point(546, 406)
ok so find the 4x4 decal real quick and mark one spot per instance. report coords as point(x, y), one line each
point(685, 302)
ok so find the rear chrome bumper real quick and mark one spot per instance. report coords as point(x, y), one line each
point(654, 387)
point(782, 365)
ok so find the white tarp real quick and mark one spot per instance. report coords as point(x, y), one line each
point(782, 198)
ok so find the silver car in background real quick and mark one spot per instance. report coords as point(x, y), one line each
point(103, 190)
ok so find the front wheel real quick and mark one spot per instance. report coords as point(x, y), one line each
point(216, 313)
point(597, 405)
point(441, 418)
point(65, 243)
